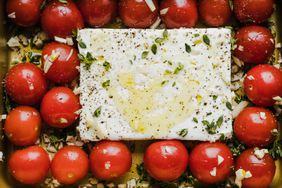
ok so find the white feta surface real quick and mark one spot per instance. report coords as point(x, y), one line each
point(166, 95)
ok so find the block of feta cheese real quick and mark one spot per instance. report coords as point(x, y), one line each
point(155, 84)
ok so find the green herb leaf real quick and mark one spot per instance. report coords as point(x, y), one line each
point(206, 40)
point(173, 84)
point(188, 48)
point(195, 120)
point(82, 44)
point(144, 54)
point(107, 65)
point(219, 121)
point(214, 97)
point(178, 68)
point(211, 127)
point(87, 60)
point(159, 40)
point(229, 106)
point(165, 34)
point(106, 83)
point(183, 132)
point(276, 150)
point(164, 82)
point(63, 1)
point(154, 49)
point(97, 112)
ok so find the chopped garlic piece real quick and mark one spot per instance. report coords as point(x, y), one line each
point(12, 15)
point(1, 156)
point(278, 100)
point(240, 175)
point(220, 159)
point(69, 41)
point(262, 115)
point(151, 5)
point(238, 61)
point(14, 42)
point(241, 48)
point(156, 24)
point(250, 77)
point(76, 90)
point(49, 60)
point(274, 131)
point(70, 54)
point(278, 45)
point(164, 11)
point(107, 165)
point(60, 40)
point(63, 120)
point(237, 109)
point(213, 172)
point(259, 153)
point(3, 116)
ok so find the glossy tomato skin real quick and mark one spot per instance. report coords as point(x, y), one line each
point(253, 127)
point(254, 44)
point(255, 11)
point(262, 83)
point(24, 12)
point(166, 160)
point(98, 13)
point(60, 19)
point(69, 165)
point(29, 165)
point(137, 14)
point(109, 160)
point(22, 126)
point(25, 84)
point(215, 13)
point(180, 13)
point(65, 68)
point(262, 170)
point(205, 157)
point(59, 107)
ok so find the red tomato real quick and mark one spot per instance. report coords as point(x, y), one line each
point(253, 127)
point(211, 162)
point(59, 107)
point(25, 84)
point(262, 83)
point(166, 160)
point(98, 13)
point(69, 165)
point(24, 12)
point(255, 11)
point(29, 165)
point(175, 13)
point(136, 13)
point(215, 13)
point(254, 44)
point(64, 68)
point(262, 170)
point(23, 125)
point(60, 19)
point(109, 160)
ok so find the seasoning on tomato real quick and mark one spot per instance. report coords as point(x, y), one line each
point(59, 107)
point(215, 13)
point(22, 126)
point(60, 62)
point(255, 11)
point(69, 165)
point(254, 44)
point(110, 160)
point(254, 168)
point(98, 13)
point(211, 162)
point(25, 84)
point(138, 13)
point(166, 160)
point(254, 127)
point(263, 84)
point(30, 165)
point(176, 14)
point(61, 18)
point(24, 12)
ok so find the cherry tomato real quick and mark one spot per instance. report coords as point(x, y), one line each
point(262, 170)
point(136, 13)
point(254, 44)
point(98, 13)
point(25, 84)
point(23, 125)
point(255, 11)
point(175, 13)
point(64, 68)
point(166, 160)
point(59, 107)
point(262, 84)
point(253, 127)
point(109, 160)
point(211, 162)
point(29, 165)
point(60, 19)
point(24, 12)
point(215, 13)
point(69, 165)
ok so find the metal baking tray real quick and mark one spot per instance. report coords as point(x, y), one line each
point(5, 59)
